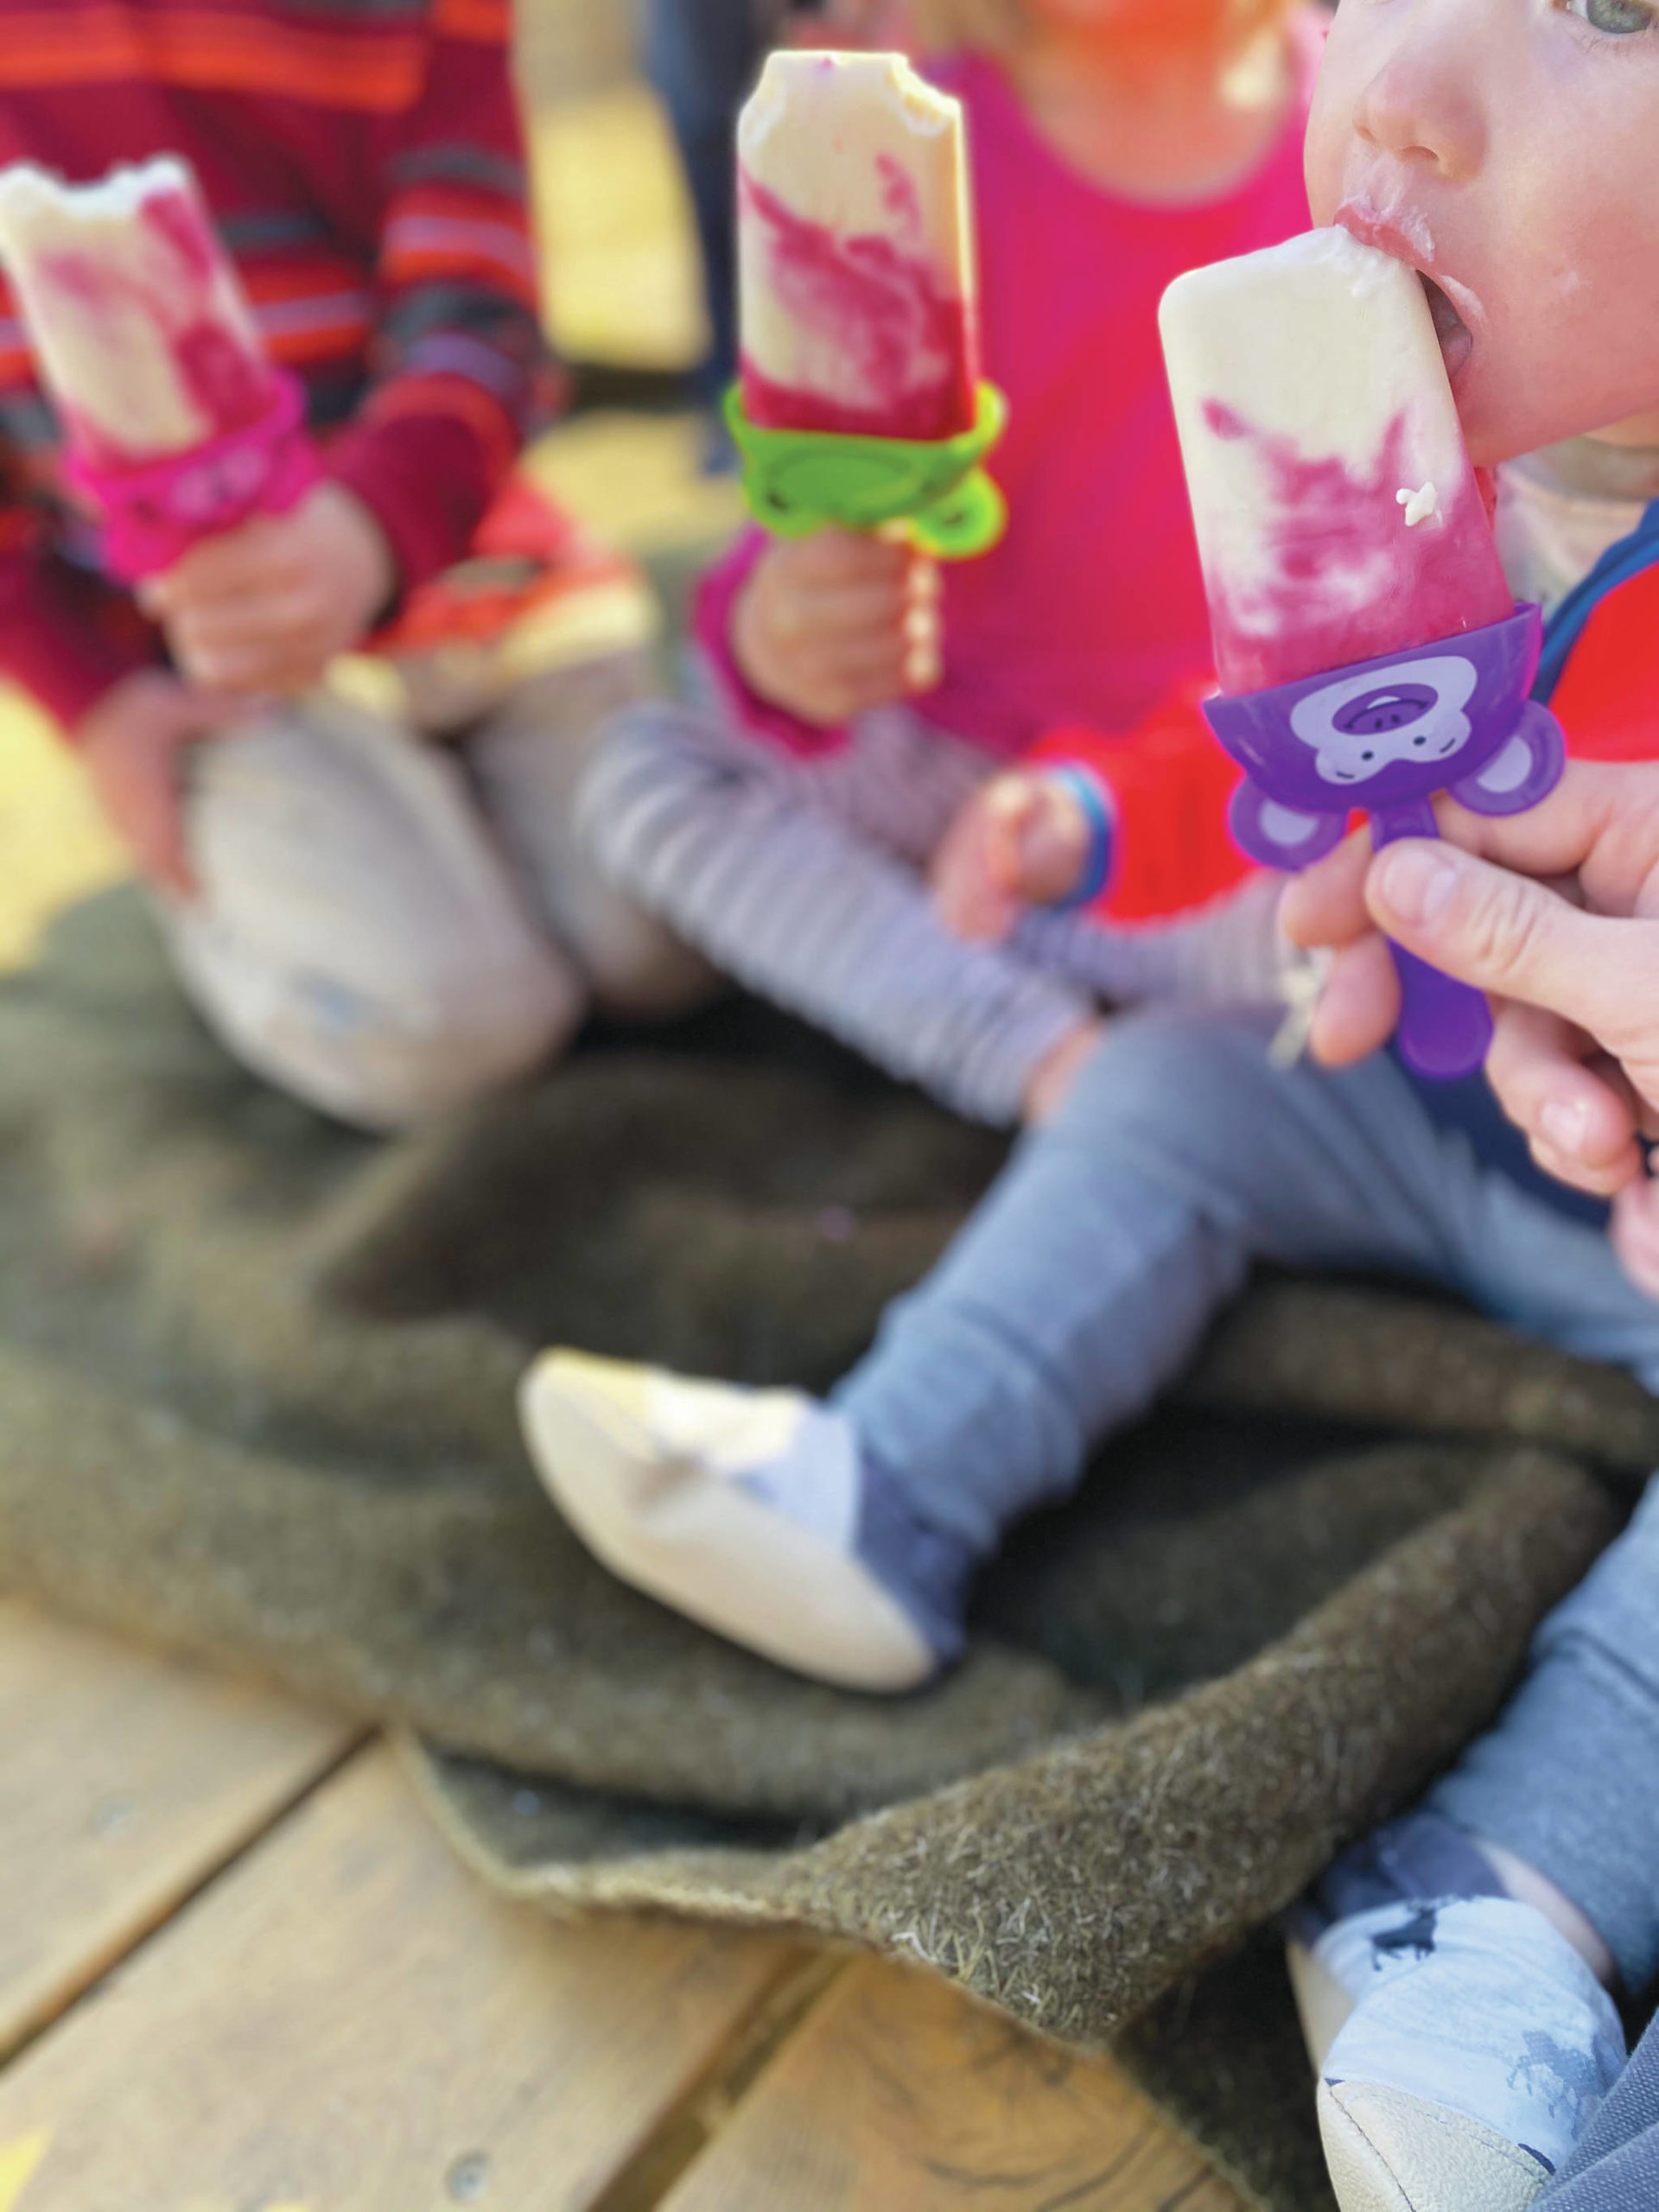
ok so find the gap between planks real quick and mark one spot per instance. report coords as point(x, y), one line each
point(127, 1782)
point(347, 2021)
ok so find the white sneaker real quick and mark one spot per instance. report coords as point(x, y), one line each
point(1479, 2047)
point(663, 1480)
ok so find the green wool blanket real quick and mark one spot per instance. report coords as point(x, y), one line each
point(257, 1383)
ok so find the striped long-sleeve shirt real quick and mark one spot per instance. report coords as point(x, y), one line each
point(363, 161)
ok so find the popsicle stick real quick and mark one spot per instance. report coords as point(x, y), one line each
point(126, 1782)
point(898, 2095)
point(348, 2022)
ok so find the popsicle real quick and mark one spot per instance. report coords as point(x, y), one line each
point(177, 422)
point(1309, 394)
point(1369, 651)
point(861, 399)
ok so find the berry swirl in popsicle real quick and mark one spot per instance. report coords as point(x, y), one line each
point(860, 401)
point(177, 422)
point(1369, 651)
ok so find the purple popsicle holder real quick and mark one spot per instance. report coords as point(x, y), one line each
point(1386, 736)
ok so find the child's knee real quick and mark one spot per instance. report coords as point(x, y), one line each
point(418, 1045)
point(1168, 1071)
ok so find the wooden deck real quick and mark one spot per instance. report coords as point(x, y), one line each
point(239, 1971)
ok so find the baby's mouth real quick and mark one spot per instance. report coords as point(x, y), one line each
point(1457, 339)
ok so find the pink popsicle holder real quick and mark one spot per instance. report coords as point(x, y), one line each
point(153, 515)
point(1386, 736)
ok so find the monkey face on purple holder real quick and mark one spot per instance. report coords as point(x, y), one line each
point(1386, 736)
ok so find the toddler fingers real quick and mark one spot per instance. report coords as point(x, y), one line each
point(223, 649)
point(1325, 905)
point(229, 567)
point(864, 610)
point(1359, 1004)
point(838, 557)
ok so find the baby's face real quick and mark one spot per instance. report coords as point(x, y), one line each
point(1510, 150)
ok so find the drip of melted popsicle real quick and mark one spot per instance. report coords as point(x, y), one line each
point(1338, 517)
point(855, 245)
point(135, 311)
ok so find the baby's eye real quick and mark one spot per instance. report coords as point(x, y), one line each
point(1617, 18)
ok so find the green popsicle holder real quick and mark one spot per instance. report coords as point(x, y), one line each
point(798, 481)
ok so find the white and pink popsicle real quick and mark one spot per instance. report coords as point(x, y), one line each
point(136, 314)
point(1338, 517)
point(856, 251)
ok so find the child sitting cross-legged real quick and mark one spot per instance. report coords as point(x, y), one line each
point(376, 898)
point(858, 696)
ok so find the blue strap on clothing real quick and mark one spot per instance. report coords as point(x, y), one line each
point(1097, 873)
point(1619, 565)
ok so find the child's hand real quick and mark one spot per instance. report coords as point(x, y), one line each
point(1024, 840)
point(1051, 1086)
point(266, 607)
point(831, 625)
point(133, 744)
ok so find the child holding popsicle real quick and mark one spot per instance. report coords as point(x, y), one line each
point(1508, 153)
point(860, 694)
point(338, 891)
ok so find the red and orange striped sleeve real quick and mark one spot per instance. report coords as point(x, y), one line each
point(462, 373)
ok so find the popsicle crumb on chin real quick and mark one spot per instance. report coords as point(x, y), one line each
point(856, 251)
point(1338, 517)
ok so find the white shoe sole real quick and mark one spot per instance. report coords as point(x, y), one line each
point(1391, 2152)
point(699, 1543)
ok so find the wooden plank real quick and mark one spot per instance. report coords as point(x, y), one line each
point(125, 1780)
point(348, 2022)
point(898, 2095)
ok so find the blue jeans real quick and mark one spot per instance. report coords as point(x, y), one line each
point(1616, 2167)
point(1086, 1280)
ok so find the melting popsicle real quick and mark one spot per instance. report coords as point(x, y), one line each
point(141, 331)
point(1369, 651)
point(176, 420)
point(1337, 516)
point(855, 251)
point(861, 400)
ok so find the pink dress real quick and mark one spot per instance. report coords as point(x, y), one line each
point(1092, 608)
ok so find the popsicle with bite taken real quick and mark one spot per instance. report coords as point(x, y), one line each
point(1370, 651)
point(860, 401)
point(178, 424)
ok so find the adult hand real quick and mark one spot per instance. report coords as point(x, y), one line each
point(1555, 914)
point(266, 607)
point(133, 744)
point(831, 625)
point(1023, 841)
